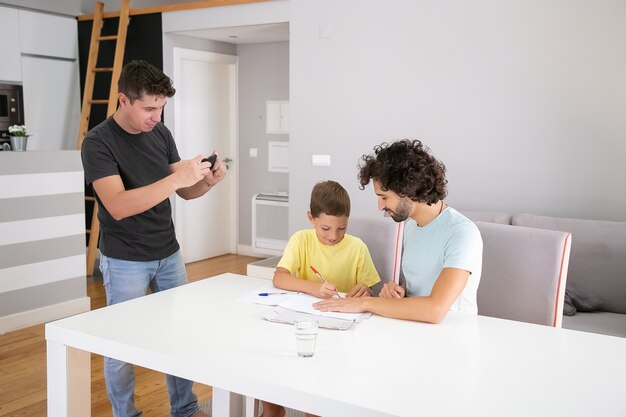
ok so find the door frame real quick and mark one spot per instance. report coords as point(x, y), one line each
point(185, 53)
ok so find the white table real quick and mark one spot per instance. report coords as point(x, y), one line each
point(466, 365)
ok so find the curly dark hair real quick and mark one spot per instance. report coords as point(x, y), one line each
point(139, 78)
point(330, 198)
point(407, 168)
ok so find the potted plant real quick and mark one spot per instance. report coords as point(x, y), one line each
point(19, 137)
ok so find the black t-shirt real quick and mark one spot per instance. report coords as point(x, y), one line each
point(139, 160)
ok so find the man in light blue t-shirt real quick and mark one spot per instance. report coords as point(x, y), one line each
point(442, 249)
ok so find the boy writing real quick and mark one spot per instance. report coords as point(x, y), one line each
point(343, 260)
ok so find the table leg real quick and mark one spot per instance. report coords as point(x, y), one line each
point(227, 404)
point(252, 407)
point(69, 381)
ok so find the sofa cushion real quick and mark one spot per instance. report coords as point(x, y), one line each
point(487, 216)
point(598, 258)
point(597, 322)
point(581, 299)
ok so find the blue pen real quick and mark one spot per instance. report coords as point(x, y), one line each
point(265, 294)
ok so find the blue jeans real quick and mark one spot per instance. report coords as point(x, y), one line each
point(125, 280)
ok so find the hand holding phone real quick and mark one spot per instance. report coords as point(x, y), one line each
point(212, 159)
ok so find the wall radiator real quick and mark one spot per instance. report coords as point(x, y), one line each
point(270, 229)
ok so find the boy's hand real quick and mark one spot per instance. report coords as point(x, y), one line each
point(392, 290)
point(326, 290)
point(359, 290)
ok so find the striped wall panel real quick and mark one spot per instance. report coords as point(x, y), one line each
point(42, 234)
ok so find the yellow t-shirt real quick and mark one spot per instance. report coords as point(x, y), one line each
point(344, 265)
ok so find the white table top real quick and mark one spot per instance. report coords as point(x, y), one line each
point(466, 365)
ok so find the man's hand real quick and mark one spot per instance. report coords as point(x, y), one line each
point(216, 173)
point(392, 290)
point(359, 290)
point(190, 171)
point(344, 305)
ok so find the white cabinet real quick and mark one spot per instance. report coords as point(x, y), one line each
point(41, 51)
point(277, 117)
point(10, 64)
point(48, 35)
point(51, 102)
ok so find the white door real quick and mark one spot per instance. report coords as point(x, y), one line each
point(205, 120)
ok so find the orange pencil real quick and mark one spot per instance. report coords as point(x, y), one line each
point(321, 277)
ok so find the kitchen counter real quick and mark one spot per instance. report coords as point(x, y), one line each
point(42, 237)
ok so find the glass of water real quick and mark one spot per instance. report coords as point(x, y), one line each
point(306, 333)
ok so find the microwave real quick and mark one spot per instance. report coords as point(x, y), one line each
point(11, 107)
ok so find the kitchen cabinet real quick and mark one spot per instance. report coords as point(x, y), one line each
point(43, 56)
point(10, 64)
point(48, 35)
point(277, 117)
point(51, 102)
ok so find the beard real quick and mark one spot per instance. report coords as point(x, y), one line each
point(402, 212)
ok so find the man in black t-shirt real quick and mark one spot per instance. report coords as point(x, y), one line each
point(133, 164)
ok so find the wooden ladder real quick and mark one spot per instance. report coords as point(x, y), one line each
point(88, 100)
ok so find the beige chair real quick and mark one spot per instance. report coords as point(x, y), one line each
point(524, 273)
point(383, 238)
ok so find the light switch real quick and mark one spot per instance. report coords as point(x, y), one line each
point(254, 152)
point(320, 160)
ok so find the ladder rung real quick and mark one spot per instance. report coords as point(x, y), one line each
point(103, 70)
point(107, 38)
point(103, 101)
point(88, 198)
point(87, 231)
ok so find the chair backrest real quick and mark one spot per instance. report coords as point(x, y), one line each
point(383, 238)
point(524, 273)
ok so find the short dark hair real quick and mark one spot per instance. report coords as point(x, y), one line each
point(330, 198)
point(407, 168)
point(139, 78)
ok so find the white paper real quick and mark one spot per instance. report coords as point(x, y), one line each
point(304, 303)
point(295, 301)
point(273, 299)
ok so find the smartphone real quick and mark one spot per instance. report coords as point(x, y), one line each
point(212, 159)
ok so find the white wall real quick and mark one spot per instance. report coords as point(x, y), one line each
point(523, 100)
point(263, 75)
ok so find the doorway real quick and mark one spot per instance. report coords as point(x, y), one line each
point(206, 120)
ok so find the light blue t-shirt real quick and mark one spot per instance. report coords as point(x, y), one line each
point(451, 240)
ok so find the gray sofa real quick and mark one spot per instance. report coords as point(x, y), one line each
point(597, 268)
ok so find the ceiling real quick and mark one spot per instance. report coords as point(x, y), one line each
point(275, 32)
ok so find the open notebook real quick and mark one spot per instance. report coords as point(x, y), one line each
point(287, 301)
point(283, 315)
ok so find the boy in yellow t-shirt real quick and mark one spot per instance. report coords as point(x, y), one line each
point(343, 260)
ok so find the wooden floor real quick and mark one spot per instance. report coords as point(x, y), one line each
point(23, 359)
